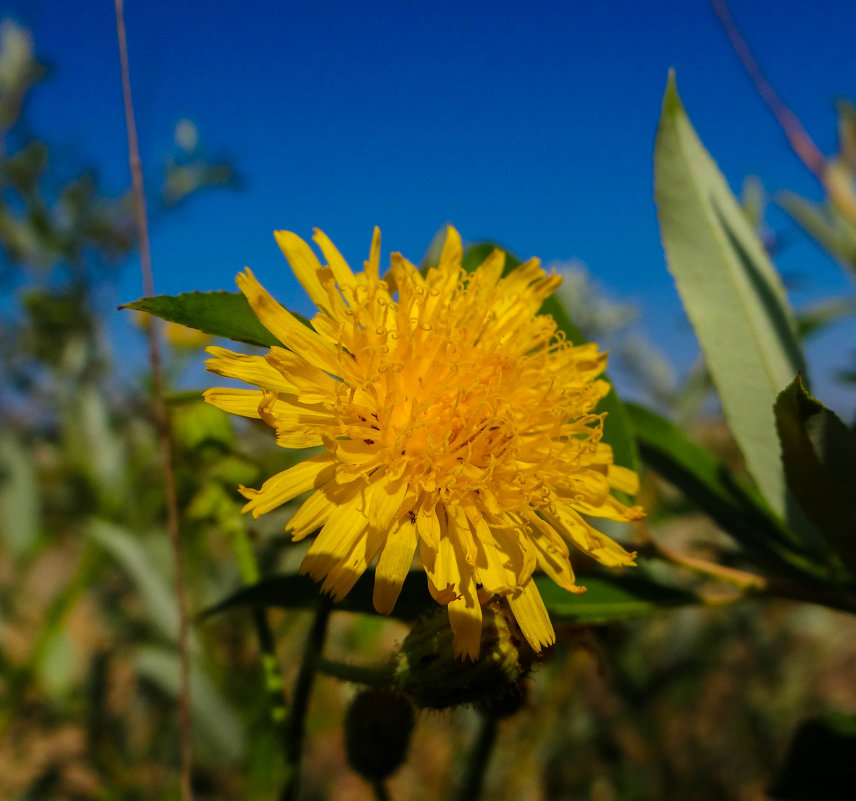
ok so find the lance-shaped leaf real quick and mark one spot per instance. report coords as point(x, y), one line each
point(607, 598)
point(221, 314)
point(819, 455)
point(733, 505)
point(731, 292)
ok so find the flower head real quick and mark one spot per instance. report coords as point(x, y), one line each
point(457, 424)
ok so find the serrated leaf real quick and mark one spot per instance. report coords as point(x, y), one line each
point(607, 598)
point(221, 314)
point(732, 294)
point(819, 455)
point(617, 433)
point(735, 507)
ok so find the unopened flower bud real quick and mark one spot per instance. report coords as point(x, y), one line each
point(430, 672)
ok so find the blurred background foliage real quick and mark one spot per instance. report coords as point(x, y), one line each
point(702, 702)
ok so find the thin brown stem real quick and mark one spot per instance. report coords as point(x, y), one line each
point(801, 143)
point(160, 415)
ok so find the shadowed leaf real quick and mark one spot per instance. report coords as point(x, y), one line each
point(819, 454)
point(607, 597)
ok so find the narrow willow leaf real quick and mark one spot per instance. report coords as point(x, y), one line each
point(221, 314)
point(819, 316)
point(736, 508)
point(20, 495)
point(731, 292)
point(608, 597)
point(617, 431)
point(611, 597)
point(819, 455)
point(213, 717)
point(144, 569)
point(828, 227)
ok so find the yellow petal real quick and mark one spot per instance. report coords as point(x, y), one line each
point(622, 478)
point(312, 514)
point(341, 271)
point(345, 572)
point(310, 384)
point(244, 402)
point(453, 249)
point(286, 327)
point(465, 618)
point(531, 615)
point(246, 367)
point(589, 540)
point(394, 564)
point(344, 526)
point(553, 556)
point(372, 266)
point(305, 266)
point(284, 486)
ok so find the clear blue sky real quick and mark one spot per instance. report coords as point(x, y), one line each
point(532, 124)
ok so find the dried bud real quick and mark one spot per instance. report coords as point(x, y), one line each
point(377, 732)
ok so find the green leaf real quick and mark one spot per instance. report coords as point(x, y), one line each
point(617, 432)
point(731, 292)
point(820, 315)
point(213, 718)
point(819, 455)
point(144, 569)
point(221, 314)
point(20, 494)
point(736, 508)
point(825, 224)
point(608, 597)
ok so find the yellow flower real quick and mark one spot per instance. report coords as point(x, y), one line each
point(456, 422)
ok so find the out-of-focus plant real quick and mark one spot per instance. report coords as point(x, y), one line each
point(88, 621)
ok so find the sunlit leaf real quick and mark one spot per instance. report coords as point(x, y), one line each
point(221, 314)
point(731, 292)
point(833, 232)
point(819, 316)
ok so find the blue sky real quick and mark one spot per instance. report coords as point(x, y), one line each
point(532, 124)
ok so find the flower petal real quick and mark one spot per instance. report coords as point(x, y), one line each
point(244, 402)
point(531, 615)
point(284, 486)
point(394, 563)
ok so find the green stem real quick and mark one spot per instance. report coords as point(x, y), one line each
point(296, 722)
point(369, 675)
point(479, 758)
